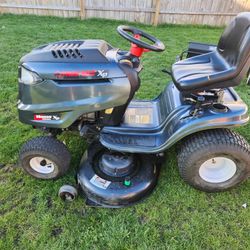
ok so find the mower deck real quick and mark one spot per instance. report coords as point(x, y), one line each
point(115, 180)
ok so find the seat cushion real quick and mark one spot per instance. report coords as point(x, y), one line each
point(201, 72)
point(222, 68)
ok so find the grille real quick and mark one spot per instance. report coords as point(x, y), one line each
point(65, 50)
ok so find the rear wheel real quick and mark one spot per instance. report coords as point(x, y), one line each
point(45, 157)
point(214, 160)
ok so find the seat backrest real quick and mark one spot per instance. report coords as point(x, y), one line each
point(234, 44)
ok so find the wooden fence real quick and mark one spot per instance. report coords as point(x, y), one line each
point(209, 12)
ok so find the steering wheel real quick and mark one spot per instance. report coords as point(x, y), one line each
point(138, 44)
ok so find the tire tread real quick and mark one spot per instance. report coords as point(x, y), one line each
point(201, 140)
point(50, 145)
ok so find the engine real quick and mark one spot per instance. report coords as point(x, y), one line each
point(61, 82)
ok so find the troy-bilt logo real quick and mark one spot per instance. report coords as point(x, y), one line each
point(46, 117)
point(81, 74)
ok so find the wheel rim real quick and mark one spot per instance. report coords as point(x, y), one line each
point(67, 193)
point(217, 169)
point(42, 165)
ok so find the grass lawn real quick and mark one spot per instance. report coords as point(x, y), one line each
point(175, 216)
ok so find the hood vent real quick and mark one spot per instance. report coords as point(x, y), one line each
point(65, 50)
point(87, 51)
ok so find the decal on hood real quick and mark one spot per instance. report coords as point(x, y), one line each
point(42, 117)
point(83, 74)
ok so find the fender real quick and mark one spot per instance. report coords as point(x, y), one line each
point(172, 122)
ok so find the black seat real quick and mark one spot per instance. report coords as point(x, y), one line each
point(224, 67)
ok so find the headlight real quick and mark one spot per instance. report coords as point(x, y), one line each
point(29, 77)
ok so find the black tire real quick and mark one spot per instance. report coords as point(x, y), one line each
point(196, 150)
point(55, 154)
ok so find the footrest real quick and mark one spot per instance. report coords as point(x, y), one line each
point(129, 140)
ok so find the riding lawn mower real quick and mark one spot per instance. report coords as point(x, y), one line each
point(88, 86)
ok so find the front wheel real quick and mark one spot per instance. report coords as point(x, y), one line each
point(44, 157)
point(214, 160)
